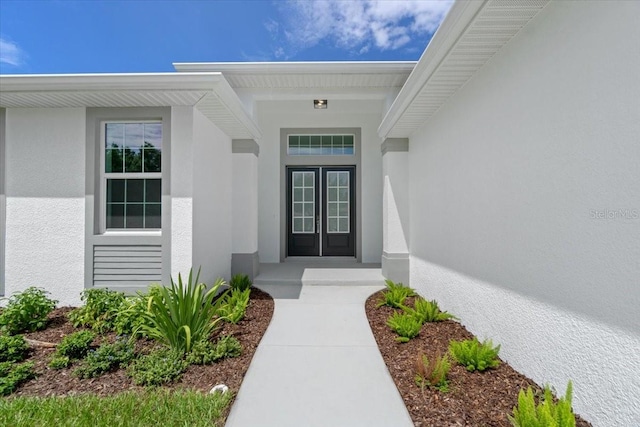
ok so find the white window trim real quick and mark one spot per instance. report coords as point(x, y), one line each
point(131, 175)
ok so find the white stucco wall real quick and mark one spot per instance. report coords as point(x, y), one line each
point(395, 202)
point(212, 184)
point(274, 115)
point(45, 213)
point(508, 183)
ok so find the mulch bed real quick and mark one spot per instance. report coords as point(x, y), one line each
point(49, 382)
point(474, 398)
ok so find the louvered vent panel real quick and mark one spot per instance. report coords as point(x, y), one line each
point(127, 266)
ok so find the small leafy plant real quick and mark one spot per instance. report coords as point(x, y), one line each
point(240, 282)
point(546, 413)
point(183, 314)
point(157, 368)
point(206, 352)
point(12, 375)
point(100, 309)
point(234, 305)
point(405, 325)
point(475, 356)
point(427, 311)
point(13, 348)
point(75, 345)
point(130, 316)
point(107, 357)
point(26, 311)
point(395, 295)
point(59, 362)
point(432, 372)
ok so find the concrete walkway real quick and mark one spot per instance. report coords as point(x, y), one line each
point(318, 365)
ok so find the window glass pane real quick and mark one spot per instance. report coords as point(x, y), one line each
point(133, 135)
point(135, 190)
point(294, 141)
point(326, 145)
point(308, 179)
point(343, 179)
point(115, 215)
point(344, 209)
point(315, 141)
point(344, 194)
point(308, 209)
point(308, 194)
point(134, 215)
point(153, 135)
point(115, 190)
point(297, 225)
point(297, 209)
point(332, 179)
point(114, 135)
point(152, 160)
point(152, 216)
point(332, 195)
point(333, 209)
point(297, 179)
point(132, 160)
point(332, 225)
point(347, 150)
point(305, 141)
point(308, 225)
point(113, 161)
point(153, 190)
point(343, 225)
point(297, 194)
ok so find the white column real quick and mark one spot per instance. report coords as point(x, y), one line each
point(395, 214)
point(244, 258)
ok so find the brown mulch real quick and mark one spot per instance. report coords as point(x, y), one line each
point(49, 382)
point(474, 398)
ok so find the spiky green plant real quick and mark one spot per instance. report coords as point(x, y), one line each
point(183, 313)
point(405, 325)
point(474, 355)
point(234, 305)
point(547, 413)
point(395, 295)
point(427, 311)
point(241, 282)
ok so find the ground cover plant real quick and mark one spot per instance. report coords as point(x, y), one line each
point(233, 305)
point(547, 413)
point(13, 348)
point(395, 295)
point(106, 369)
point(26, 311)
point(469, 398)
point(475, 355)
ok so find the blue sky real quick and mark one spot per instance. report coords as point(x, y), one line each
point(63, 36)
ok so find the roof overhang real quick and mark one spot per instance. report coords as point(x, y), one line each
point(209, 92)
point(471, 34)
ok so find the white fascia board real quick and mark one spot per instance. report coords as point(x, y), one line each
point(344, 67)
point(458, 19)
point(107, 82)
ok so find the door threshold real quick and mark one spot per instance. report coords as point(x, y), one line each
point(320, 259)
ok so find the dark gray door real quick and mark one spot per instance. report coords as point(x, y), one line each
point(303, 211)
point(338, 211)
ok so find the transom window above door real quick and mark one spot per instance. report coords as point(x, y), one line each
point(320, 145)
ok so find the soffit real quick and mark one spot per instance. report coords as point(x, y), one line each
point(208, 92)
point(470, 36)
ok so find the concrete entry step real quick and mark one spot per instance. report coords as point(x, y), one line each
point(285, 280)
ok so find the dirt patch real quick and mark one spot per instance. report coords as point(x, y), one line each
point(474, 398)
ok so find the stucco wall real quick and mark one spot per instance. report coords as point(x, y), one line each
point(45, 183)
point(212, 222)
point(245, 199)
point(274, 115)
point(509, 181)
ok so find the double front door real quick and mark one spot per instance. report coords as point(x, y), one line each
point(321, 211)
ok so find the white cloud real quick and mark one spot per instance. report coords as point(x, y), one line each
point(359, 25)
point(10, 53)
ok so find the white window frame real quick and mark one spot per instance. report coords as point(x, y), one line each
point(124, 175)
point(288, 148)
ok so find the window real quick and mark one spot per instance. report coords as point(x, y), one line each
point(320, 145)
point(132, 175)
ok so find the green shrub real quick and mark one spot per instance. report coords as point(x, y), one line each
point(59, 362)
point(26, 311)
point(157, 368)
point(547, 413)
point(427, 311)
point(475, 356)
point(183, 314)
point(206, 353)
point(107, 357)
point(240, 282)
point(395, 295)
point(13, 348)
point(234, 305)
point(433, 372)
point(101, 306)
point(404, 325)
point(12, 375)
point(75, 345)
point(130, 316)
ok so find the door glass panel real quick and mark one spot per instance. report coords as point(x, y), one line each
point(303, 195)
point(338, 191)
